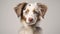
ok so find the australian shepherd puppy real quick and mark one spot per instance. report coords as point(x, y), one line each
point(30, 14)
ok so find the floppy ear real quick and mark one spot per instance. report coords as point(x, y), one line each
point(43, 9)
point(19, 8)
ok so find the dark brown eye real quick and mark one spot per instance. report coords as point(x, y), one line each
point(35, 12)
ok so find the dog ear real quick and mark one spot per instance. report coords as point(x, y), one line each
point(42, 8)
point(19, 8)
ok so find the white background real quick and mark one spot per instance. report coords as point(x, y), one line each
point(10, 24)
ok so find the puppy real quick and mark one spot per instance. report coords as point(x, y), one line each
point(30, 14)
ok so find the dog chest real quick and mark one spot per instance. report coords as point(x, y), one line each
point(26, 31)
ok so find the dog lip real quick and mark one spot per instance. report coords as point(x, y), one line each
point(30, 23)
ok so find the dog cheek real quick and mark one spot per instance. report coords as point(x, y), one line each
point(23, 18)
point(38, 18)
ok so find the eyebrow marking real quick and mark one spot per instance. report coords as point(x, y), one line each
point(27, 11)
point(34, 11)
point(29, 4)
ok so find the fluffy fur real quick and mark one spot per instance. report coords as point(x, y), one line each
point(30, 14)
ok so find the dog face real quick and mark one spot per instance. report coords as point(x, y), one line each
point(31, 13)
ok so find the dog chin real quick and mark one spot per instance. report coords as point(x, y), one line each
point(30, 23)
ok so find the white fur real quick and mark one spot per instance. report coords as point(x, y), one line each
point(28, 29)
point(30, 14)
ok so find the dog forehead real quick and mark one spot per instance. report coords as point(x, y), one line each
point(31, 6)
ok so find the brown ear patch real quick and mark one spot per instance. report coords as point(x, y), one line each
point(19, 8)
point(43, 9)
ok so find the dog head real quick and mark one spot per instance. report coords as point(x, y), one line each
point(30, 12)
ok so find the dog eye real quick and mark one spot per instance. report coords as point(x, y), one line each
point(35, 12)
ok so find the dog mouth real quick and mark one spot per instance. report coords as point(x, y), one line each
point(30, 23)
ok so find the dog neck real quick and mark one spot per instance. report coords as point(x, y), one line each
point(32, 28)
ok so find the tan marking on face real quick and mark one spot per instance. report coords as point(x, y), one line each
point(23, 18)
point(27, 11)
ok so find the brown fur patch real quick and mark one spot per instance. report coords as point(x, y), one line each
point(19, 8)
point(27, 11)
point(43, 9)
point(23, 18)
point(36, 12)
point(38, 19)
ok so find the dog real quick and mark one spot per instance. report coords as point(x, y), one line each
point(30, 14)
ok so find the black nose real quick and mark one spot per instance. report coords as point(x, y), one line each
point(30, 19)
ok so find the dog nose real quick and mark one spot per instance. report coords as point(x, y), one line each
point(30, 19)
